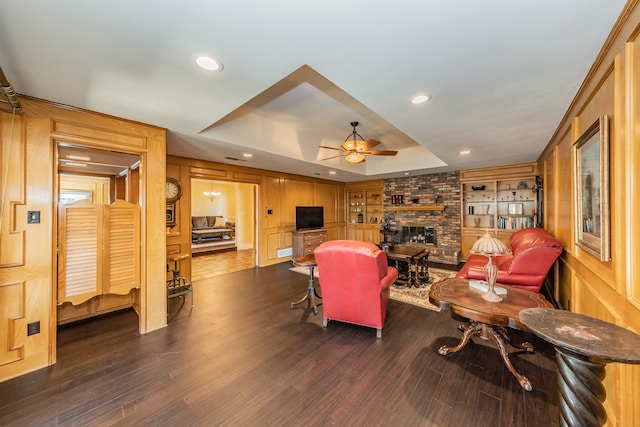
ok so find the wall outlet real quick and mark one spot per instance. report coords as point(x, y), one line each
point(33, 328)
point(33, 217)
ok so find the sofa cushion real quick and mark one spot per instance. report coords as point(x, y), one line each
point(219, 222)
point(199, 222)
point(211, 220)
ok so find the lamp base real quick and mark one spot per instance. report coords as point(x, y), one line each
point(491, 272)
point(491, 296)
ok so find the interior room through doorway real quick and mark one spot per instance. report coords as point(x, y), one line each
point(223, 213)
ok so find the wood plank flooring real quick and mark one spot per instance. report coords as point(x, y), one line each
point(243, 357)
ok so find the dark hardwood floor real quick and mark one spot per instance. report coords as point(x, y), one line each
point(243, 357)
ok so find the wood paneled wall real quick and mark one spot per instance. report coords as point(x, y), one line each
point(28, 251)
point(278, 196)
point(608, 290)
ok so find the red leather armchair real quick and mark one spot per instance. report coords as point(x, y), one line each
point(354, 280)
point(533, 252)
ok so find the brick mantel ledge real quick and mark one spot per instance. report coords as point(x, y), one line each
point(396, 208)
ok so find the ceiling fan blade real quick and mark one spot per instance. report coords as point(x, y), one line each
point(368, 144)
point(332, 157)
point(330, 148)
point(380, 152)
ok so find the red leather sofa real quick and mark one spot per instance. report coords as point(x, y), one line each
point(533, 252)
point(355, 283)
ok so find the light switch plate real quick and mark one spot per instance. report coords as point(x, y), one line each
point(33, 217)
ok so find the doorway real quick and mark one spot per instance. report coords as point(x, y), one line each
point(228, 248)
point(98, 233)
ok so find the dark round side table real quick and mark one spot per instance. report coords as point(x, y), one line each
point(584, 345)
point(308, 261)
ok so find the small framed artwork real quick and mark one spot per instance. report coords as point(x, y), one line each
point(515, 209)
point(591, 182)
point(171, 214)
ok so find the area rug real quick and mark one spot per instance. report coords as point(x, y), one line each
point(415, 296)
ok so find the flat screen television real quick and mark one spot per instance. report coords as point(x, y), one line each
point(309, 217)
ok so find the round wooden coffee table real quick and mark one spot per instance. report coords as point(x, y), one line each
point(487, 320)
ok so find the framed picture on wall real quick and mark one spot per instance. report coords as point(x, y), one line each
point(515, 208)
point(171, 214)
point(591, 182)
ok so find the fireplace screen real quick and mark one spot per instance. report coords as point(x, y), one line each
point(417, 233)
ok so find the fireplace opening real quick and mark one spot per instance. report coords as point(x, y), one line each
point(417, 233)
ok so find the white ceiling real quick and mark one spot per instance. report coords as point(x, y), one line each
point(502, 73)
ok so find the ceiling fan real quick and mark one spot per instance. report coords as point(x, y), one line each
point(355, 148)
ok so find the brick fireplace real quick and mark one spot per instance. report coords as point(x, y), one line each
point(438, 230)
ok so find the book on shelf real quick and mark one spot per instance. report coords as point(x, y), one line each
point(515, 223)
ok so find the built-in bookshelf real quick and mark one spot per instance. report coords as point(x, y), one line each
point(365, 208)
point(501, 200)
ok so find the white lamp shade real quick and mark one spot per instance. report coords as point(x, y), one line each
point(489, 245)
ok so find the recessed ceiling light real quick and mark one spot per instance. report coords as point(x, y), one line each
point(80, 158)
point(463, 152)
point(406, 173)
point(332, 172)
point(247, 155)
point(76, 164)
point(209, 63)
point(420, 99)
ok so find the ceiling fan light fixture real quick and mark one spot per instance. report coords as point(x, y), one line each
point(349, 145)
point(353, 141)
point(354, 158)
point(355, 148)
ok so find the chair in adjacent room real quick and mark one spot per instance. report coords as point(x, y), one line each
point(355, 283)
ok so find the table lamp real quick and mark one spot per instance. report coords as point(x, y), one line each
point(490, 246)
